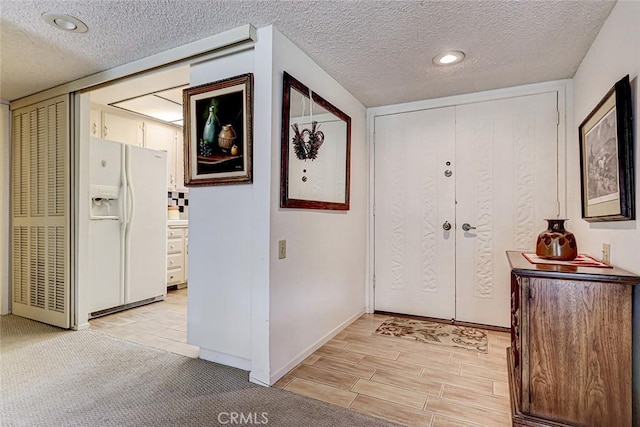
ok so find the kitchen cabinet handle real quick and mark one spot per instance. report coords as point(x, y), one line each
point(106, 130)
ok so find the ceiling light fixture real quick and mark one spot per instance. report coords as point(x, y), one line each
point(449, 58)
point(65, 22)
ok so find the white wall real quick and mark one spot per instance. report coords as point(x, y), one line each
point(246, 308)
point(228, 239)
point(320, 286)
point(5, 143)
point(614, 53)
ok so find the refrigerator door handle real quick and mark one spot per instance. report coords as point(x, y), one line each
point(130, 202)
point(124, 220)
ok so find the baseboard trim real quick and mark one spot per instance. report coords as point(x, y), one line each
point(225, 359)
point(313, 347)
point(82, 327)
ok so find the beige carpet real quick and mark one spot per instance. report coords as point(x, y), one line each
point(51, 377)
point(435, 333)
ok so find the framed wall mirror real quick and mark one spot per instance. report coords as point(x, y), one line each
point(315, 156)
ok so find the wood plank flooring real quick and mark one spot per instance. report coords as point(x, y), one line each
point(407, 382)
point(162, 324)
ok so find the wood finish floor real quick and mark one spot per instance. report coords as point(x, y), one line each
point(407, 382)
point(162, 324)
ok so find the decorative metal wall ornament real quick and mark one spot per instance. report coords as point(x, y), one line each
point(307, 143)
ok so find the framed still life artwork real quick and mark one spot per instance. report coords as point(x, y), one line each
point(606, 158)
point(218, 132)
point(315, 150)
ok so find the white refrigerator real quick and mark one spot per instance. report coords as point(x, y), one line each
point(127, 225)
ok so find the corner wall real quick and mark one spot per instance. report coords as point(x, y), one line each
point(320, 287)
point(246, 308)
point(227, 243)
point(614, 53)
point(5, 156)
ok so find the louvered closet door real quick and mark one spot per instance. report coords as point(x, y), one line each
point(40, 212)
point(414, 198)
point(506, 154)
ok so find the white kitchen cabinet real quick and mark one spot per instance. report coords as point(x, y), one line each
point(177, 241)
point(180, 162)
point(127, 129)
point(96, 123)
point(159, 136)
point(108, 123)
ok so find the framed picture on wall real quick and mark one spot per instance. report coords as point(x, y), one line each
point(315, 150)
point(218, 132)
point(606, 158)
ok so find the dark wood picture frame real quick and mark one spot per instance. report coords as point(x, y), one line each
point(606, 158)
point(295, 155)
point(218, 132)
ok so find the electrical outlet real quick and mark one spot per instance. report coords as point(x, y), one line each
point(606, 253)
point(282, 249)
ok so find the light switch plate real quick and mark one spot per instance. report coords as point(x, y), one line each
point(282, 249)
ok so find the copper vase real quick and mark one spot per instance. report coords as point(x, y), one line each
point(226, 137)
point(557, 243)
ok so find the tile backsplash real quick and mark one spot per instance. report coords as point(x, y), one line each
point(181, 200)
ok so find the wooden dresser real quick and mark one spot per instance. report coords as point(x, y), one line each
point(572, 337)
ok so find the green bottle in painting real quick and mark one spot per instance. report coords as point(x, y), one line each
point(209, 132)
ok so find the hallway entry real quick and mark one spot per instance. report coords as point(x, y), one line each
point(455, 187)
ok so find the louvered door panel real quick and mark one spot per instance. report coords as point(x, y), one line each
point(37, 266)
point(38, 161)
point(19, 163)
point(40, 196)
point(20, 264)
point(57, 269)
point(57, 161)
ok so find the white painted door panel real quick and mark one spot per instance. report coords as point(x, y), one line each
point(414, 256)
point(506, 154)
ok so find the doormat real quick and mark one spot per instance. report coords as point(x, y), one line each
point(435, 333)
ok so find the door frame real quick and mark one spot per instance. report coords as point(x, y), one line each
point(564, 90)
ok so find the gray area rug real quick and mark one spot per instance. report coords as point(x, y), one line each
point(52, 377)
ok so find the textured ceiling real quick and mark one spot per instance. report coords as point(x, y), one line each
point(380, 51)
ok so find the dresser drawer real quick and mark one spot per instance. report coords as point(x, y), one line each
point(174, 246)
point(175, 261)
point(175, 276)
point(175, 233)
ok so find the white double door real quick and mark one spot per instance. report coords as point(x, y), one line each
point(490, 165)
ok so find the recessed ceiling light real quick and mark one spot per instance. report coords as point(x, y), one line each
point(449, 58)
point(65, 22)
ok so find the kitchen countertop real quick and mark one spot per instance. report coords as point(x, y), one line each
point(178, 222)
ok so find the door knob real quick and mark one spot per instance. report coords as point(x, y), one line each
point(467, 227)
point(446, 226)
